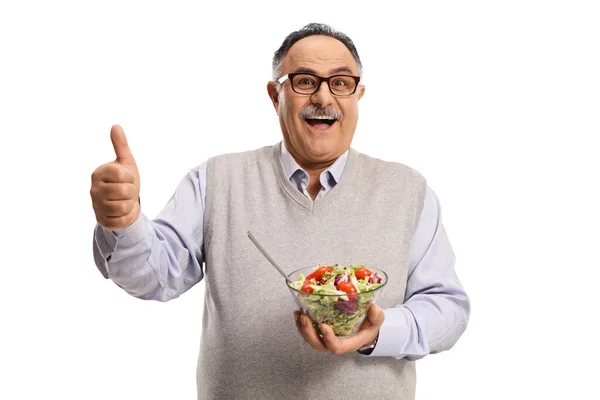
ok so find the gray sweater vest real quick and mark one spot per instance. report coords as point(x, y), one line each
point(250, 348)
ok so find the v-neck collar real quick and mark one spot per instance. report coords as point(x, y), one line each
point(304, 201)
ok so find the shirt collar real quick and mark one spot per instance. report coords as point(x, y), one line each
point(290, 166)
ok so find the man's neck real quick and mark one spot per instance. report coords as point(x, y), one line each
point(314, 172)
point(314, 182)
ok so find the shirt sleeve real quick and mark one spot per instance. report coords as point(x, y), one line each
point(162, 258)
point(436, 308)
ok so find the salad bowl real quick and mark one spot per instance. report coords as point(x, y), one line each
point(336, 295)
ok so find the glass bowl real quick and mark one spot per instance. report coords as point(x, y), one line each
point(344, 313)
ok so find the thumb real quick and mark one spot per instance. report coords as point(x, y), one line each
point(119, 142)
point(376, 315)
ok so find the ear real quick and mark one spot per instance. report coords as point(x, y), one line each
point(361, 91)
point(273, 94)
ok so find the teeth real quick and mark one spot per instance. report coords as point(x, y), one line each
point(320, 117)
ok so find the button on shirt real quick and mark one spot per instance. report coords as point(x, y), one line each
point(435, 311)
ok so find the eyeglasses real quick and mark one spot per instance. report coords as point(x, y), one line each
point(306, 83)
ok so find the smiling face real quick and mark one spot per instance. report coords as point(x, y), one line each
point(313, 142)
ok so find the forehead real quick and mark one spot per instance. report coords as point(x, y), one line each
point(321, 54)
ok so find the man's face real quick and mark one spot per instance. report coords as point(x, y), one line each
point(311, 142)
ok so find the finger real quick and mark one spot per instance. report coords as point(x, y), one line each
point(297, 321)
point(339, 346)
point(366, 334)
point(369, 328)
point(114, 223)
point(114, 191)
point(335, 345)
point(117, 208)
point(113, 173)
point(310, 335)
point(119, 142)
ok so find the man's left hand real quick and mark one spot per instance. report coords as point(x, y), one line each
point(331, 343)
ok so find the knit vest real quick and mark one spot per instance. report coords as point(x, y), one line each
point(250, 348)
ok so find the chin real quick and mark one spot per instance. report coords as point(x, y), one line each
point(319, 145)
point(323, 151)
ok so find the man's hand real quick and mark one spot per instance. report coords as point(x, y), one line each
point(331, 343)
point(116, 186)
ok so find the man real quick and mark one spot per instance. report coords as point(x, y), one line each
point(310, 199)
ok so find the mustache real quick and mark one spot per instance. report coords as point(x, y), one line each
point(312, 111)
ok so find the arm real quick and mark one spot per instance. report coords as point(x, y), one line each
point(162, 258)
point(436, 308)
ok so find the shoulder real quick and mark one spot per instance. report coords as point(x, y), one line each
point(243, 156)
point(393, 169)
point(217, 162)
point(236, 166)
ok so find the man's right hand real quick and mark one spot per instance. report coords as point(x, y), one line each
point(116, 186)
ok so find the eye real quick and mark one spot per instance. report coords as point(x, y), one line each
point(306, 81)
point(342, 85)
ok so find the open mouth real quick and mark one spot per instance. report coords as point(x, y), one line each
point(320, 123)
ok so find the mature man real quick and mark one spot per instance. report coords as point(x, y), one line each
point(313, 199)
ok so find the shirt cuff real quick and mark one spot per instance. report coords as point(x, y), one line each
point(392, 334)
point(133, 234)
point(106, 241)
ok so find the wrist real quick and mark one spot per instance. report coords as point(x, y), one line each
point(368, 348)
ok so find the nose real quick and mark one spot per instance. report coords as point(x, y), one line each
point(322, 96)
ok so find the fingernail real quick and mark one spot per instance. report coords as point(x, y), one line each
point(323, 329)
point(302, 322)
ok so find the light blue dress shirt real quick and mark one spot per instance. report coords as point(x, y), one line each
point(436, 308)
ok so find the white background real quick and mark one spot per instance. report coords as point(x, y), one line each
point(496, 103)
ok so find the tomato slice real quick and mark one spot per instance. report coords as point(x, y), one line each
point(348, 288)
point(362, 273)
point(306, 287)
point(318, 274)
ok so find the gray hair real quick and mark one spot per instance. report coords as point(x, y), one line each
point(311, 30)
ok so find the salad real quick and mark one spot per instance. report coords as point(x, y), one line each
point(337, 295)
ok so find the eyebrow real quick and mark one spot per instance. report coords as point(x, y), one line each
point(332, 72)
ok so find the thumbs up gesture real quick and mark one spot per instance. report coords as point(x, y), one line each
point(116, 186)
